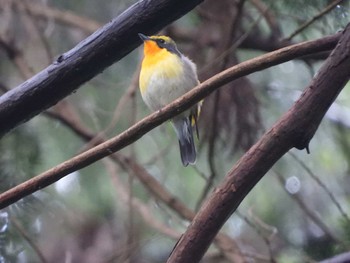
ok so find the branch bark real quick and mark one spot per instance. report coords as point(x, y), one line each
point(341, 258)
point(155, 119)
point(294, 129)
point(90, 57)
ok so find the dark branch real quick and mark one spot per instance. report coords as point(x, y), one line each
point(155, 119)
point(341, 258)
point(90, 57)
point(294, 129)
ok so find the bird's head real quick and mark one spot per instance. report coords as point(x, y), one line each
point(155, 44)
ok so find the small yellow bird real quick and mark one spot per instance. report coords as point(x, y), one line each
point(165, 75)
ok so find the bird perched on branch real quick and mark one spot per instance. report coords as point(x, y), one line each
point(165, 75)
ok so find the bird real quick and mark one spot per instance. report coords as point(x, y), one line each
point(166, 74)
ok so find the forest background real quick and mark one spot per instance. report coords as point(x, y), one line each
point(121, 209)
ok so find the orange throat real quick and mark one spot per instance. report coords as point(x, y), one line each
point(151, 48)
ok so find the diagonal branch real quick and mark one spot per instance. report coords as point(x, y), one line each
point(310, 213)
point(142, 209)
point(323, 185)
point(341, 258)
point(29, 238)
point(294, 129)
point(316, 17)
point(150, 122)
point(90, 57)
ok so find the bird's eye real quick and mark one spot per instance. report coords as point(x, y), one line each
point(161, 41)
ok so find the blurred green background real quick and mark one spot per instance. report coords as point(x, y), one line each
point(299, 212)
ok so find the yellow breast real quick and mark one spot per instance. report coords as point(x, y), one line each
point(159, 64)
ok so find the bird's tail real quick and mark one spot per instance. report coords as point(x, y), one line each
point(184, 131)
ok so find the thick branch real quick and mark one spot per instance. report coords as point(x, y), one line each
point(341, 258)
point(90, 57)
point(294, 129)
point(155, 119)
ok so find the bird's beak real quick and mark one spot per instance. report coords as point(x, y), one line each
point(143, 37)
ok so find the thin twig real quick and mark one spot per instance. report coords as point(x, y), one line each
point(310, 213)
point(38, 31)
point(322, 185)
point(27, 237)
point(65, 17)
point(267, 240)
point(214, 118)
point(269, 17)
point(237, 43)
point(313, 19)
point(118, 111)
point(211, 151)
point(123, 193)
point(131, 215)
point(251, 224)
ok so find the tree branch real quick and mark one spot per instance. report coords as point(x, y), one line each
point(310, 213)
point(323, 185)
point(17, 225)
point(341, 258)
point(91, 56)
point(226, 245)
point(313, 19)
point(294, 129)
point(155, 119)
point(64, 17)
point(141, 208)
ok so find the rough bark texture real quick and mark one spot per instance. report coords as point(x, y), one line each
point(294, 129)
point(90, 57)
